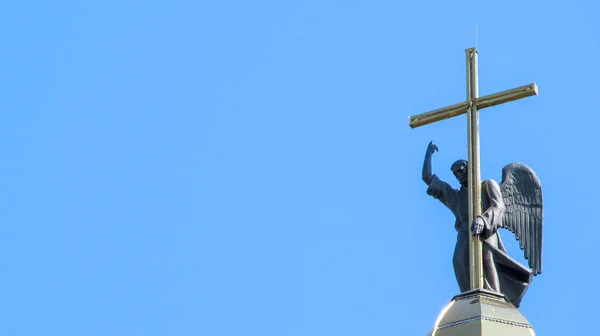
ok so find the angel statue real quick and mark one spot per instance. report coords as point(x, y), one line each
point(515, 204)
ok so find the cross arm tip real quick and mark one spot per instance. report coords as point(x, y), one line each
point(410, 122)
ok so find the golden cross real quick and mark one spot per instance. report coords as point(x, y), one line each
point(471, 107)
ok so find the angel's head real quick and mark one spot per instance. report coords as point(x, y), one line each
point(461, 172)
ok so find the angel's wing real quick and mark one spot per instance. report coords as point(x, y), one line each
point(522, 195)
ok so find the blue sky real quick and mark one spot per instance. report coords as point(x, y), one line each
point(246, 168)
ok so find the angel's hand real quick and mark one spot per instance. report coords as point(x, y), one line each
point(477, 226)
point(431, 148)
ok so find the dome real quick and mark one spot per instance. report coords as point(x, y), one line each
point(481, 312)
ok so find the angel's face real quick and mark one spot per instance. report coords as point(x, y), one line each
point(461, 173)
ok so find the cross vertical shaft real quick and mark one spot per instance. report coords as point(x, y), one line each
point(475, 249)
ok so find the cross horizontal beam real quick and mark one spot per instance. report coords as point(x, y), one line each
point(482, 102)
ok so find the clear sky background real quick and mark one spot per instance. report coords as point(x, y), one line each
point(246, 168)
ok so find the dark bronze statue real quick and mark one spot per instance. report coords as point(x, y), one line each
point(514, 204)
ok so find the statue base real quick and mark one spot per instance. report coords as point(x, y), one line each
point(481, 312)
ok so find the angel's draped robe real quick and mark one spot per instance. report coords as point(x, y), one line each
point(514, 278)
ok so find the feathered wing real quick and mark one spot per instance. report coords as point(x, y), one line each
point(522, 195)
